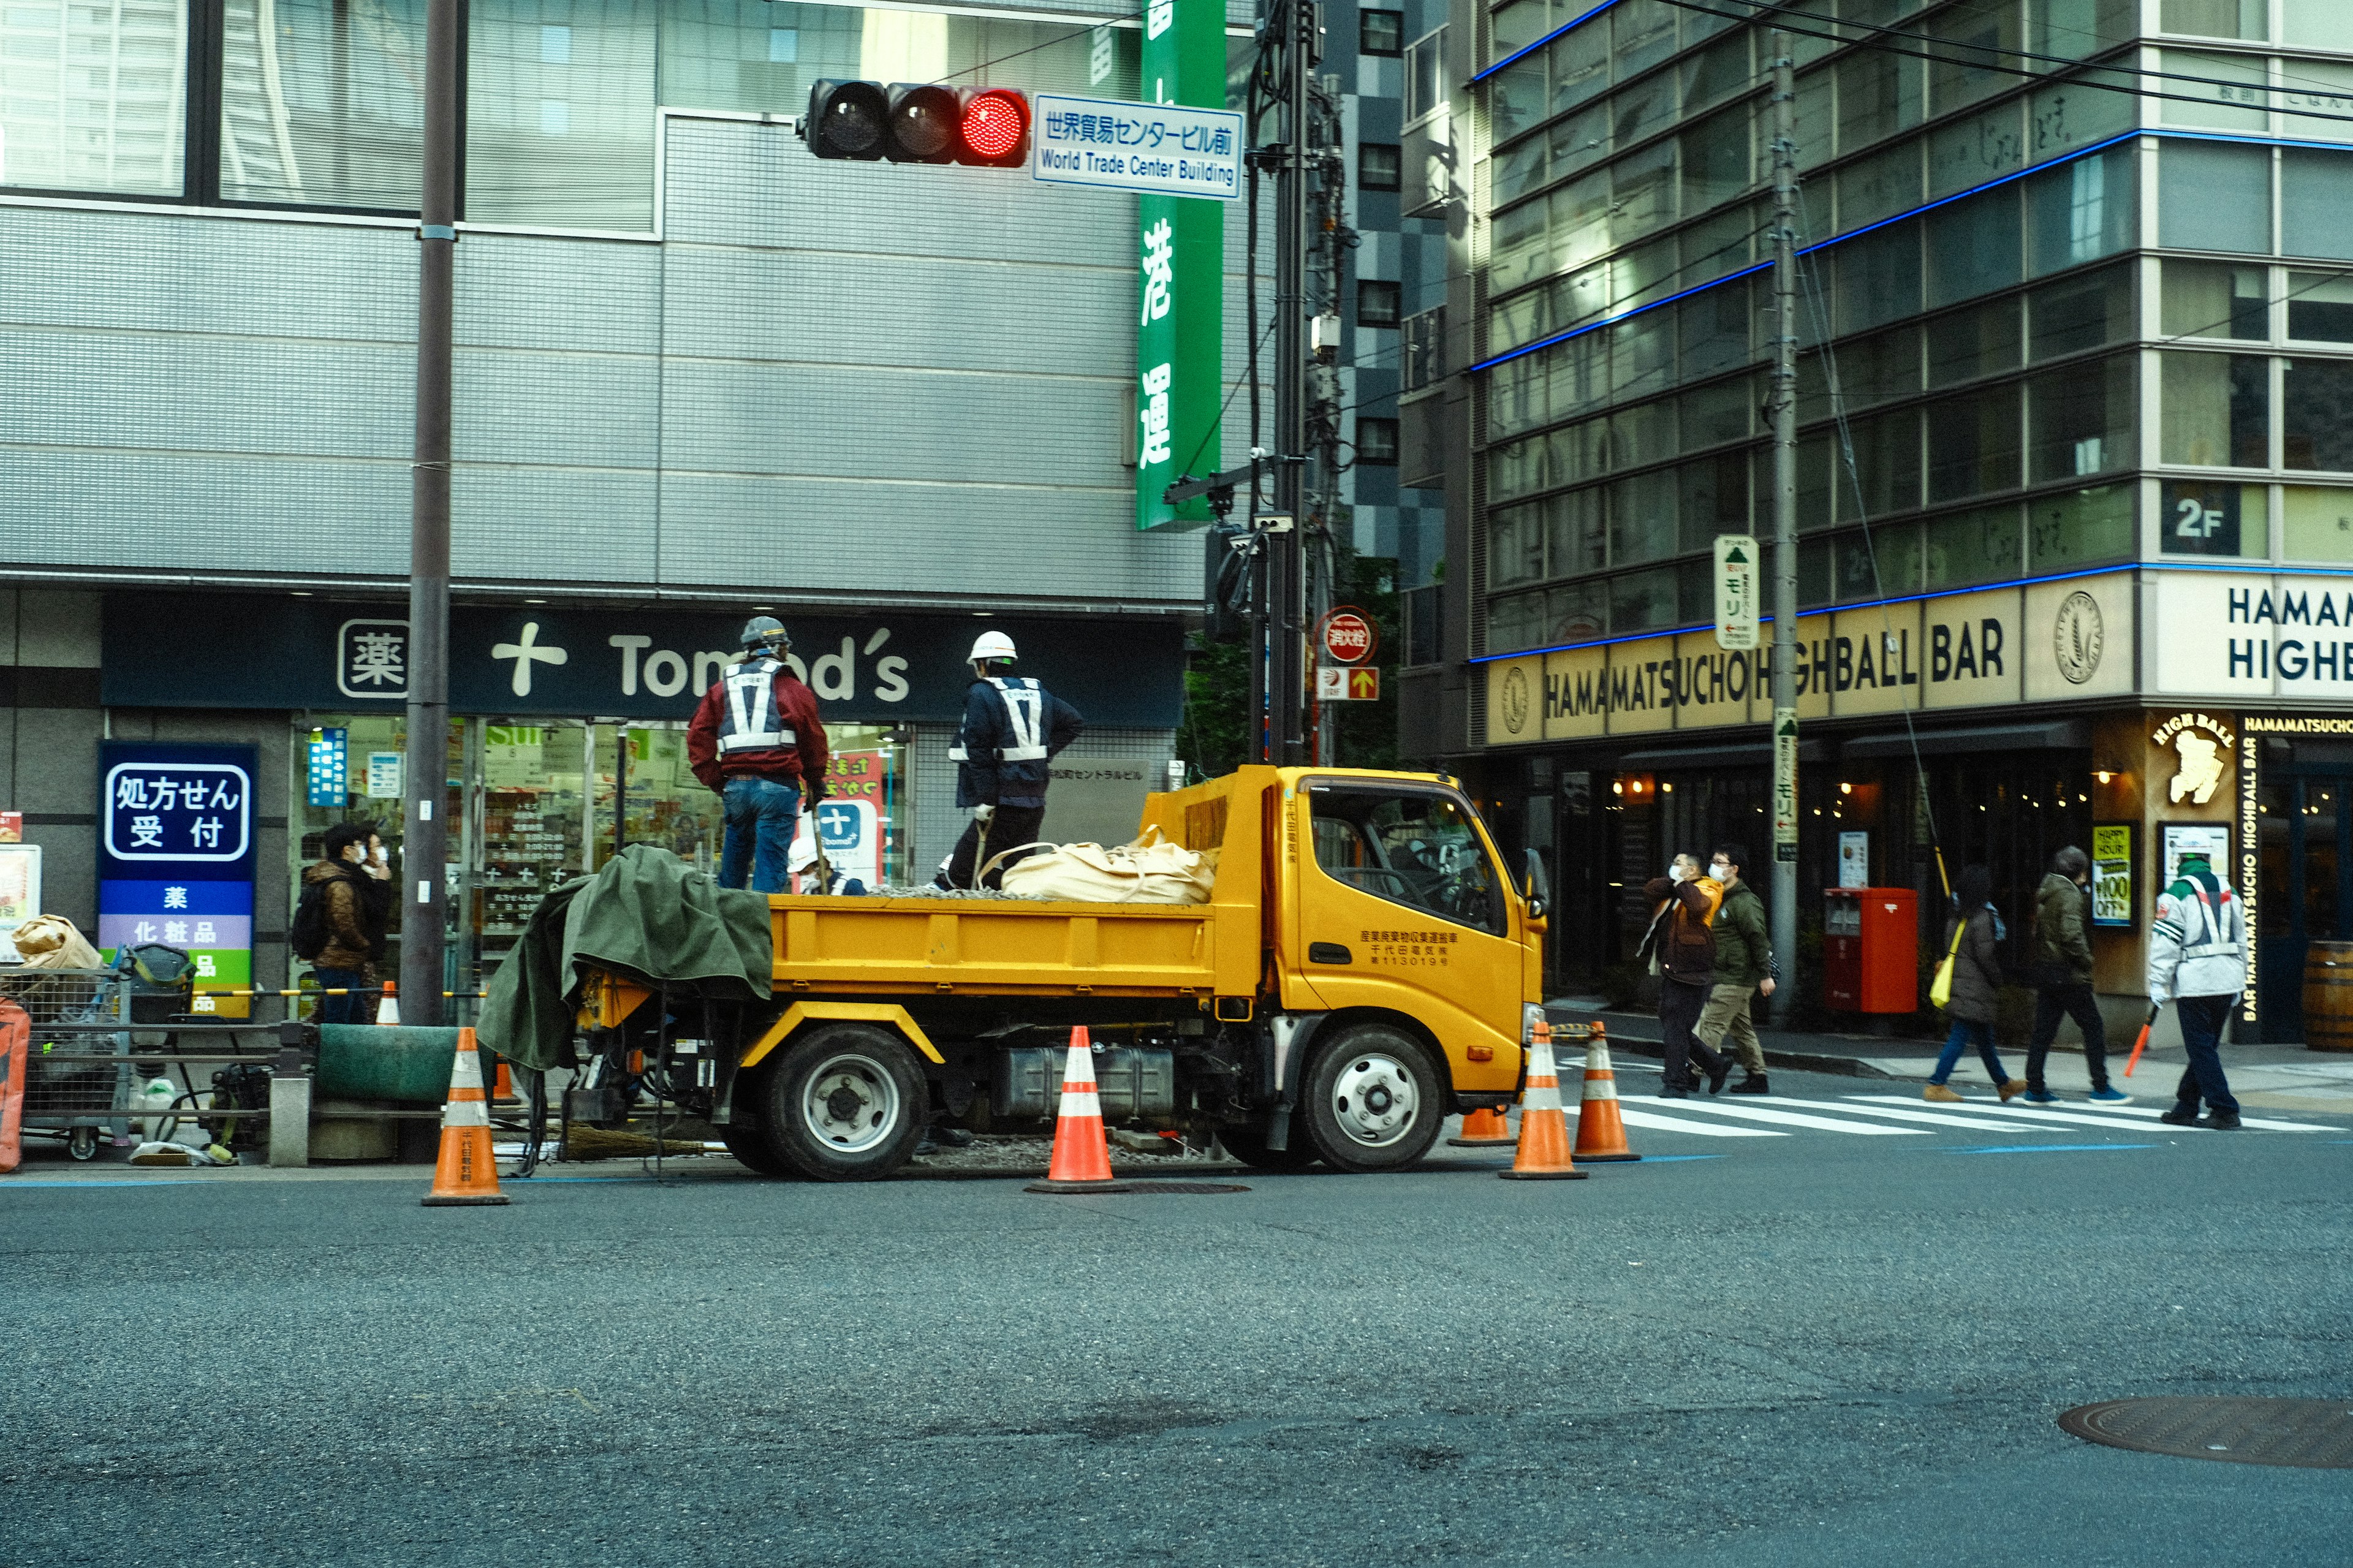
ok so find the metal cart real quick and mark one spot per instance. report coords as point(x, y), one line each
point(79, 1081)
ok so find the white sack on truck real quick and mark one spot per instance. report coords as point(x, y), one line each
point(1148, 871)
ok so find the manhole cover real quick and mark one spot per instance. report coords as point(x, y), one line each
point(1194, 1187)
point(2315, 1434)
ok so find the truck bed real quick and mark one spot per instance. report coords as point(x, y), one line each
point(876, 946)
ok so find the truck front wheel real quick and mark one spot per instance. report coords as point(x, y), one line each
point(1371, 1101)
point(847, 1103)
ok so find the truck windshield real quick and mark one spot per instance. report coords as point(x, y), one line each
point(1409, 847)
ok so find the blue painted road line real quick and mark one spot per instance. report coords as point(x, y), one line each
point(1670, 1158)
point(104, 1182)
point(2047, 1148)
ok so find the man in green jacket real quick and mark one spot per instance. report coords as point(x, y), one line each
point(1744, 968)
point(2062, 978)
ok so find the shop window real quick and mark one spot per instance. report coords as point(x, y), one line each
point(2082, 420)
point(1967, 344)
point(2214, 300)
point(1381, 32)
point(1973, 444)
point(1881, 564)
point(2081, 528)
point(1378, 302)
point(1376, 442)
point(2213, 195)
point(1642, 518)
point(1579, 534)
point(2240, 103)
point(2315, 202)
point(2317, 414)
point(1987, 545)
point(1642, 601)
point(2320, 307)
point(2215, 410)
point(1973, 247)
point(2202, 518)
point(2317, 524)
point(1377, 165)
point(1515, 623)
point(94, 99)
point(2087, 311)
point(1641, 435)
point(2216, 18)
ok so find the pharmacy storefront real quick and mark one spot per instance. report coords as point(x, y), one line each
point(568, 730)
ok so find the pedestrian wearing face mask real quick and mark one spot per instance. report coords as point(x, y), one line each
point(1682, 955)
point(1744, 968)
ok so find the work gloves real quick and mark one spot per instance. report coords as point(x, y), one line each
point(984, 814)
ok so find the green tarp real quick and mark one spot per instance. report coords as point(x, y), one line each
point(647, 916)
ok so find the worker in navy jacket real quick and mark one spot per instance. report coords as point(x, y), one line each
point(1012, 729)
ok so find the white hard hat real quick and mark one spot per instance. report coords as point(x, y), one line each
point(991, 645)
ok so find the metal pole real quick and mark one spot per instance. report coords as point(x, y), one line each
point(1785, 516)
point(426, 846)
point(1286, 676)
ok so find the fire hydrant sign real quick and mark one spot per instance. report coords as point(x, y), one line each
point(1348, 635)
point(176, 857)
point(1152, 149)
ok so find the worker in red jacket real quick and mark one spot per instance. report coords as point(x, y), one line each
point(756, 738)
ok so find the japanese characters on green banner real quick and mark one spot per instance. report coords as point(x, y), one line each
point(1180, 262)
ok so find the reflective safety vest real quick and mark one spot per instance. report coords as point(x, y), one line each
point(748, 719)
point(1024, 712)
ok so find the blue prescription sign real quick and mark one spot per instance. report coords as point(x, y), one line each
point(177, 827)
point(331, 768)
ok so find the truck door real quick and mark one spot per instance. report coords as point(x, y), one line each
point(1405, 909)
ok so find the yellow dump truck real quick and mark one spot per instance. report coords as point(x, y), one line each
point(1363, 968)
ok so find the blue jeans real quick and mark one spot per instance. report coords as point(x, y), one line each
point(2202, 1018)
point(1965, 1031)
point(341, 1009)
point(760, 815)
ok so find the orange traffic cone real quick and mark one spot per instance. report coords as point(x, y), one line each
point(1484, 1130)
point(466, 1172)
point(1081, 1161)
point(388, 1010)
point(1544, 1129)
point(1600, 1130)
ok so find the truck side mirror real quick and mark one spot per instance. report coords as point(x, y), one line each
point(1537, 889)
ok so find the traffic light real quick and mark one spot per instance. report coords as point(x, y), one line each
point(916, 122)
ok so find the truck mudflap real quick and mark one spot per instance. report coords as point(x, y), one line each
point(1289, 1036)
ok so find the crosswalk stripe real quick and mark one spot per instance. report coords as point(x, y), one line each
point(2262, 1124)
point(1657, 1124)
point(1783, 1118)
point(2112, 1120)
point(1933, 1117)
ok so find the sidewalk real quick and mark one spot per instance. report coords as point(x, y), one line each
point(2267, 1077)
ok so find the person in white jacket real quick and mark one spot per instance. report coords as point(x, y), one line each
point(2198, 958)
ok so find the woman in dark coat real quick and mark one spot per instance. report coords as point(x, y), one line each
point(1977, 986)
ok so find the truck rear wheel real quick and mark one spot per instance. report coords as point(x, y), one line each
point(847, 1103)
point(1248, 1144)
point(1371, 1101)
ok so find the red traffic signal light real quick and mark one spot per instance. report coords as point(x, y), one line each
point(992, 128)
point(916, 122)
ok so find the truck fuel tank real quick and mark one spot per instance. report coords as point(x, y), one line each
point(1132, 1083)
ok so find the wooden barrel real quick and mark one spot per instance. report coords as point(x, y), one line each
point(2329, 995)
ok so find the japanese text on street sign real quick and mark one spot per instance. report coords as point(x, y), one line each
point(1343, 683)
point(1784, 785)
point(177, 811)
point(1736, 591)
point(1162, 148)
point(1348, 635)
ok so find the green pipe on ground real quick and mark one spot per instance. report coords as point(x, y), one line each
point(398, 1062)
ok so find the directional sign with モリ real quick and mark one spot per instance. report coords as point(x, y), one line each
point(1158, 149)
point(1736, 591)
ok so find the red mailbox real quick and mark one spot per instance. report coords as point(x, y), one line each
point(1870, 950)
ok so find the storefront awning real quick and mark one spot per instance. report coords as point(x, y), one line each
point(2059, 735)
point(1757, 755)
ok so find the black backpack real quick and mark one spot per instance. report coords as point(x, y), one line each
point(309, 935)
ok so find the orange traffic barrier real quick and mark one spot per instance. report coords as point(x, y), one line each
point(1600, 1130)
point(1544, 1129)
point(16, 1044)
point(1484, 1130)
point(1081, 1161)
point(387, 1012)
point(502, 1091)
point(466, 1172)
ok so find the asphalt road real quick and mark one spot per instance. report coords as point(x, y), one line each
point(1804, 1349)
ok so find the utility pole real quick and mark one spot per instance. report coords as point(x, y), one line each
point(1785, 516)
point(1286, 674)
point(425, 846)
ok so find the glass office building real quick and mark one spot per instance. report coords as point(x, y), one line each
point(2076, 308)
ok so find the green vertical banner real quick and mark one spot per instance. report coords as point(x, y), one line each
point(1180, 274)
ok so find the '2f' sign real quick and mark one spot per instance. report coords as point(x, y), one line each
point(2197, 520)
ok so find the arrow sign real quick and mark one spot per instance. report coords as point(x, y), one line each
point(1736, 591)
